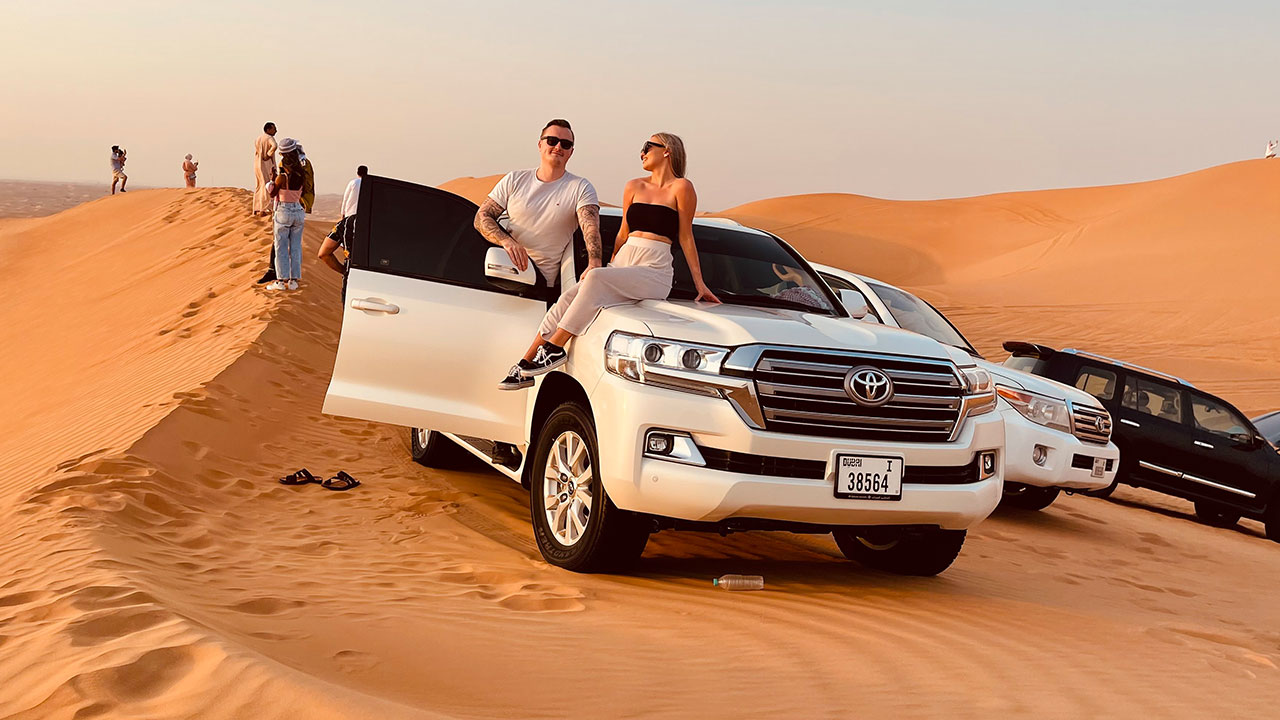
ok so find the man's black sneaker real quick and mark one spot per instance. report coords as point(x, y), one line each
point(515, 380)
point(268, 276)
point(548, 358)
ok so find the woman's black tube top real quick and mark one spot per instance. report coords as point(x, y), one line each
point(656, 219)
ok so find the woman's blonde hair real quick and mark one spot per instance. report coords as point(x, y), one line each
point(675, 146)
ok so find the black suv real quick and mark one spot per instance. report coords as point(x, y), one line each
point(1172, 437)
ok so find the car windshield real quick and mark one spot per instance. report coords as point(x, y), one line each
point(1269, 426)
point(918, 316)
point(744, 267)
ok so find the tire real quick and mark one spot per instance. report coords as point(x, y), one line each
point(1028, 497)
point(432, 449)
point(1217, 515)
point(1272, 519)
point(904, 551)
point(575, 524)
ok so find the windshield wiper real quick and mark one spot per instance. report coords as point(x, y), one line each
point(768, 301)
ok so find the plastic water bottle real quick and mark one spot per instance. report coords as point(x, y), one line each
point(739, 582)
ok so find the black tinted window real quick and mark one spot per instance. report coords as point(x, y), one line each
point(1216, 417)
point(1026, 364)
point(421, 232)
point(1153, 399)
point(1097, 382)
point(755, 267)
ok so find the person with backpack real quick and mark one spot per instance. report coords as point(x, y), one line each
point(287, 187)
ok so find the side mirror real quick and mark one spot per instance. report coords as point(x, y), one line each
point(502, 273)
point(854, 303)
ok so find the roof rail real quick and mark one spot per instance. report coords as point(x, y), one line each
point(1128, 365)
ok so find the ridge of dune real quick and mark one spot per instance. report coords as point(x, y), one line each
point(475, 189)
point(1178, 274)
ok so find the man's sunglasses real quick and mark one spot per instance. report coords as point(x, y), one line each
point(553, 141)
point(649, 145)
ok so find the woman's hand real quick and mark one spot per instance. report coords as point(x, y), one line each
point(705, 294)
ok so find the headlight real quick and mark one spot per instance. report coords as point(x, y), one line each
point(1039, 409)
point(665, 363)
point(979, 392)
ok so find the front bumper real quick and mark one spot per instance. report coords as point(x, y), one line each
point(1021, 438)
point(626, 411)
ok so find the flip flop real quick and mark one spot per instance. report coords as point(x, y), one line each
point(302, 477)
point(341, 481)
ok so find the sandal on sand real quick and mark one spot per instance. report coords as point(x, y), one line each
point(302, 477)
point(339, 482)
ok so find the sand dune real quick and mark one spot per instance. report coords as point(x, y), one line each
point(1178, 274)
point(152, 567)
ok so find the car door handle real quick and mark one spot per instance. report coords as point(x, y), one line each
point(374, 306)
point(1204, 444)
point(1130, 422)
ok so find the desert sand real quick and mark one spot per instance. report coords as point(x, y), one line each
point(153, 568)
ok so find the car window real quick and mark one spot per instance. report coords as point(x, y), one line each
point(918, 316)
point(1097, 382)
point(747, 268)
point(1153, 399)
point(422, 232)
point(1216, 417)
point(838, 283)
point(1269, 426)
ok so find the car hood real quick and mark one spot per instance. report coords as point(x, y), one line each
point(733, 325)
point(1038, 384)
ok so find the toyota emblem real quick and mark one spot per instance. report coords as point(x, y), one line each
point(868, 386)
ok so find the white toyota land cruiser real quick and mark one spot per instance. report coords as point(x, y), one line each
point(1056, 437)
point(773, 411)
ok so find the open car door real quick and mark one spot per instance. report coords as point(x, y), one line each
point(425, 336)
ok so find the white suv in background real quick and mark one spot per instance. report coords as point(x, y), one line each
point(772, 411)
point(1056, 437)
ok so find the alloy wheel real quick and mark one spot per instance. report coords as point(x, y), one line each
point(567, 488)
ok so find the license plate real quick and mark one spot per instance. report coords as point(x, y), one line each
point(1099, 467)
point(868, 477)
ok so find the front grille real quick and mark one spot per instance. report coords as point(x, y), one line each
point(1091, 424)
point(1085, 462)
point(747, 463)
point(803, 392)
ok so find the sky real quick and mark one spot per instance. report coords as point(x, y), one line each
point(903, 99)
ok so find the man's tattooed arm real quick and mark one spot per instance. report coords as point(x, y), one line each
point(486, 224)
point(589, 221)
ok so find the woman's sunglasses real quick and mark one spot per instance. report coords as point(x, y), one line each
point(553, 141)
point(649, 145)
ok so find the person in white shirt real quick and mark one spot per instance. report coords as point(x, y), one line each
point(117, 169)
point(345, 231)
point(1271, 149)
point(544, 205)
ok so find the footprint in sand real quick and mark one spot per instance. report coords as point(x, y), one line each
point(354, 661)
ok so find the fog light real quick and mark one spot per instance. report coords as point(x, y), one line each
point(659, 443)
point(1039, 454)
point(988, 464)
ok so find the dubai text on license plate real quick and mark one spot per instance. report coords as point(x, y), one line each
point(868, 477)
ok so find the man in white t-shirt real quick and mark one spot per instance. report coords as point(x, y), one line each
point(544, 205)
point(344, 232)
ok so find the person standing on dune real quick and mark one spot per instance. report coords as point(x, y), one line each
point(117, 169)
point(286, 187)
point(343, 233)
point(544, 205)
point(264, 165)
point(1271, 149)
point(189, 168)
